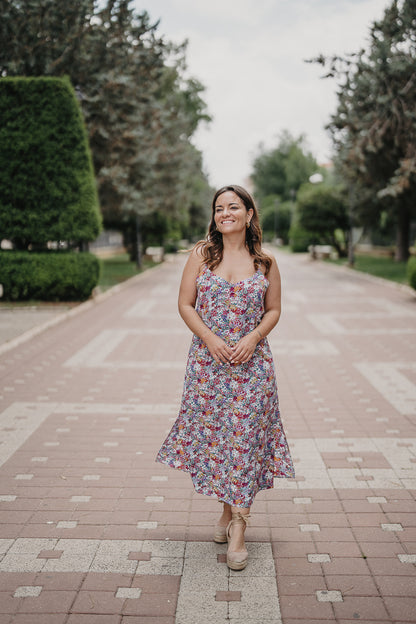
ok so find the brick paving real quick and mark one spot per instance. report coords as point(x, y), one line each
point(93, 530)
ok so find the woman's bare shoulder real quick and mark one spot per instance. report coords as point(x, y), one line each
point(271, 257)
point(196, 257)
point(198, 249)
point(268, 253)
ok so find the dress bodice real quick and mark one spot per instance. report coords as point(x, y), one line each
point(231, 310)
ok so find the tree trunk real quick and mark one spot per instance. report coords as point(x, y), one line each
point(402, 233)
point(138, 243)
point(20, 244)
point(340, 251)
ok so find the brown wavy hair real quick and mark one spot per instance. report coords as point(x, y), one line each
point(212, 247)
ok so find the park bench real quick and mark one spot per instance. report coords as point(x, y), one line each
point(155, 253)
point(320, 252)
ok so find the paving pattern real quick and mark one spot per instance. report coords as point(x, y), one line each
point(93, 530)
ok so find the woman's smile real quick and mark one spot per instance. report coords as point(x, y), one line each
point(231, 212)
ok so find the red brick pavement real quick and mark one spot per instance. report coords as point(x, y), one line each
point(93, 530)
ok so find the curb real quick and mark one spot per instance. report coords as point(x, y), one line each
point(371, 278)
point(366, 276)
point(78, 309)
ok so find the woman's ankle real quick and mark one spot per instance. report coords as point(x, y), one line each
point(240, 512)
point(226, 515)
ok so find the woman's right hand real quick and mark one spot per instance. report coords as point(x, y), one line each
point(219, 349)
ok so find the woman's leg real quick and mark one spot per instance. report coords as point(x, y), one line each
point(237, 555)
point(237, 529)
point(220, 530)
point(225, 516)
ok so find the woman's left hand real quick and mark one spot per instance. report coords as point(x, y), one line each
point(244, 349)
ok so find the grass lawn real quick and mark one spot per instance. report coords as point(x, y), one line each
point(117, 269)
point(380, 267)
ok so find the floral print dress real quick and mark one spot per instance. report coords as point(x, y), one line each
point(228, 434)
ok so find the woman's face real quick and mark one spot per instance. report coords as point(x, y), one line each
point(230, 213)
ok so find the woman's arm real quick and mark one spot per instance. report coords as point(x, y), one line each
point(244, 349)
point(272, 302)
point(219, 350)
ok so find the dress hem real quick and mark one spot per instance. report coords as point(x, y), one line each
point(200, 490)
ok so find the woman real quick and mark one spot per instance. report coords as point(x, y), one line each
point(228, 434)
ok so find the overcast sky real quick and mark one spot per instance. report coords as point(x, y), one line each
point(249, 54)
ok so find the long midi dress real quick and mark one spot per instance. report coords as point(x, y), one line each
point(228, 434)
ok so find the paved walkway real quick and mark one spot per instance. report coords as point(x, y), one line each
point(93, 530)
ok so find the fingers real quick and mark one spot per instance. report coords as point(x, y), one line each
point(222, 353)
point(221, 358)
point(243, 351)
point(241, 355)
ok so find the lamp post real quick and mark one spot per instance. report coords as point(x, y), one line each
point(315, 178)
point(276, 219)
point(351, 258)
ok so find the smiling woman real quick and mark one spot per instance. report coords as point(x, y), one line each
point(228, 434)
point(233, 212)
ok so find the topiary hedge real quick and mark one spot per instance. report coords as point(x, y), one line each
point(48, 276)
point(411, 271)
point(47, 185)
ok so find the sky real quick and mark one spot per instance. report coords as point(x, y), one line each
point(250, 56)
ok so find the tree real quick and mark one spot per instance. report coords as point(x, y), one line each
point(42, 37)
point(139, 109)
point(276, 218)
point(374, 126)
point(47, 185)
point(282, 170)
point(322, 210)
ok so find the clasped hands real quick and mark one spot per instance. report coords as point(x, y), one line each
point(240, 353)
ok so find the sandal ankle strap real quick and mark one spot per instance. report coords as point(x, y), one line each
point(239, 517)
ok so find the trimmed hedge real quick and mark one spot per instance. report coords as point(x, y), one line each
point(411, 271)
point(47, 185)
point(49, 276)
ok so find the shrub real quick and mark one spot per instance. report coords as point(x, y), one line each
point(300, 239)
point(47, 185)
point(48, 276)
point(322, 211)
point(276, 218)
point(411, 271)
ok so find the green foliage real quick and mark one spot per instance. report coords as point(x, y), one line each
point(374, 127)
point(117, 269)
point(322, 210)
point(282, 170)
point(154, 228)
point(47, 186)
point(299, 238)
point(411, 272)
point(140, 107)
point(48, 276)
point(276, 218)
point(41, 36)
point(380, 266)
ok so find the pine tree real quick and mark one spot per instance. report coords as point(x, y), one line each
point(374, 126)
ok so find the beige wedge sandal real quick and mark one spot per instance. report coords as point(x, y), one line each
point(220, 534)
point(237, 560)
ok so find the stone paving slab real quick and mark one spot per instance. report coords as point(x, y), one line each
point(93, 530)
